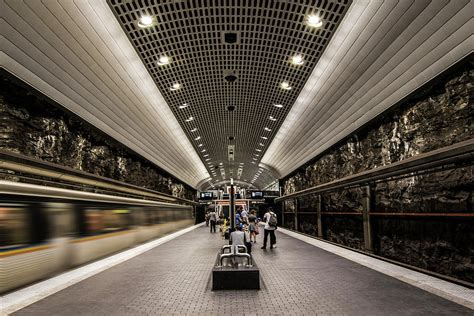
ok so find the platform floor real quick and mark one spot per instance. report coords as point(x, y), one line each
point(297, 279)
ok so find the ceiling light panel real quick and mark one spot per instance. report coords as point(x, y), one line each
point(266, 35)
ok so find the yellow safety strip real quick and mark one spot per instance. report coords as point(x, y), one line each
point(106, 235)
point(24, 250)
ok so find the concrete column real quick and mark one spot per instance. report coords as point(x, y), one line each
point(318, 216)
point(367, 197)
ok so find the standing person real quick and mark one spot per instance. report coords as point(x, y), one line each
point(244, 216)
point(207, 218)
point(213, 220)
point(237, 218)
point(270, 220)
point(253, 228)
point(248, 242)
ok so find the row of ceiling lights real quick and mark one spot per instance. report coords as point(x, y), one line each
point(296, 60)
point(312, 20)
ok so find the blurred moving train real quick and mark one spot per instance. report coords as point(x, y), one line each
point(46, 230)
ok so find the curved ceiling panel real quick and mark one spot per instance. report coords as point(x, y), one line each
point(76, 53)
point(230, 58)
point(381, 52)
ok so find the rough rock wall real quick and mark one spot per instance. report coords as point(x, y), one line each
point(438, 243)
point(432, 119)
point(35, 127)
point(437, 116)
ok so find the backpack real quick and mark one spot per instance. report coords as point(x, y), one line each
point(272, 221)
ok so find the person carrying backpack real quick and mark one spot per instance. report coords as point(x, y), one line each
point(271, 222)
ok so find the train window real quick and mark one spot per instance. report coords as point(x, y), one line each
point(14, 227)
point(100, 221)
point(61, 219)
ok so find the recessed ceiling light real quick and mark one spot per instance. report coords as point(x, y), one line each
point(285, 85)
point(257, 155)
point(254, 158)
point(258, 150)
point(254, 162)
point(194, 129)
point(185, 105)
point(200, 145)
point(220, 163)
point(264, 137)
point(267, 129)
point(206, 155)
point(175, 87)
point(272, 118)
point(198, 138)
point(297, 60)
point(262, 144)
point(314, 20)
point(278, 105)
point(203, 150)
point(164, 60)
point(190, 119)
point(208, 159)
point(145, 21)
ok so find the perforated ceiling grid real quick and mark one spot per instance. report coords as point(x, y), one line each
point(191, 34)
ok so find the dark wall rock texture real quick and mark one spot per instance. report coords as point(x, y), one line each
point(437, 115)
point(440, 116)
point(36, 127)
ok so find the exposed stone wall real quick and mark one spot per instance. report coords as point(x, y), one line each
point(434, 118)
point(36, 127)
point(439, 115)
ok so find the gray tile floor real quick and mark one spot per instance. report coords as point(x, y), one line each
point(297, 279)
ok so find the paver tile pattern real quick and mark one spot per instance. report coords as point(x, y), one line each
point(296, 279)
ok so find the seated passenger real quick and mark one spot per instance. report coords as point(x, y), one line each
point(237, 237)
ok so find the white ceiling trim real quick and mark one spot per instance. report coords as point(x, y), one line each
point(377, 57)
point(76, 53)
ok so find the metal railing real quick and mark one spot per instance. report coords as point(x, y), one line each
point(444, 158)
point(450, 157)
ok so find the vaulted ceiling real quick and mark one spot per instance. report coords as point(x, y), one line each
point(94, 59)
point(229, 59)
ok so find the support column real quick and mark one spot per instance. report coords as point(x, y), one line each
point(232, 208)
point(318, 216)
point(367, 205)
point(283, 207)
point(296, 214)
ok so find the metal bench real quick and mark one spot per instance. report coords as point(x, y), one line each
point(234, 253)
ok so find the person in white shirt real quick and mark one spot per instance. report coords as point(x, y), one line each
point(244, 217)
point(269, 229)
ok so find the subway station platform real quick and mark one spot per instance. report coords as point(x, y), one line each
point(297, 278)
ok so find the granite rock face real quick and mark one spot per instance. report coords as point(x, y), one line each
point(35, 127)
point(437, 116)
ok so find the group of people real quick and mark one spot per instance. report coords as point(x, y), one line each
point(246, 227)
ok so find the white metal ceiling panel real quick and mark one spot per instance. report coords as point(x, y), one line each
point(376, 58)
point(76, 53)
